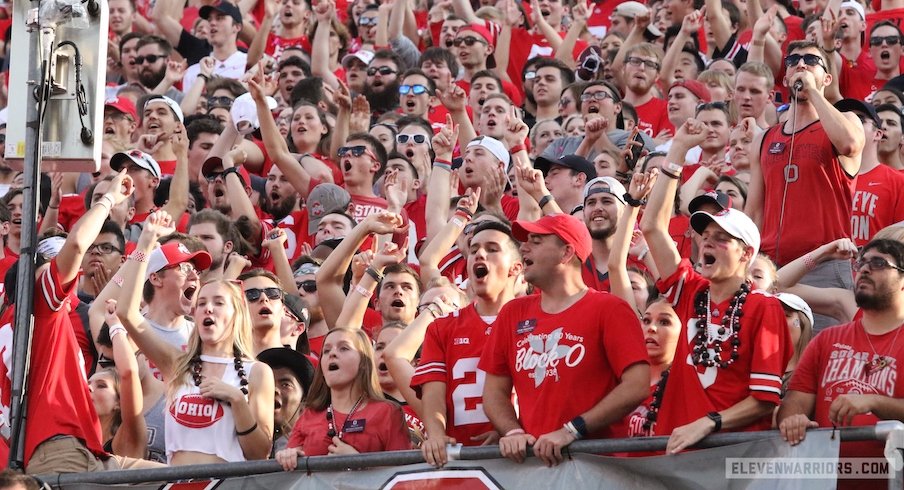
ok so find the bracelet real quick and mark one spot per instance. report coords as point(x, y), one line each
point(516, 149)
point(514, 432)
point(362, 291)
point(809, 263)
point(105, 203)
point(53, 207)
point(465, 212)
point(370, 271)
point(443, 164)
point(643, 254)
point(717, 419)
point(630, 201)
point(545, 200)
point(569, 427)
point(138, 256)
point(246, 432)
point(579, 425)
point(669, 175)
point(117, 329)
point(205, 77)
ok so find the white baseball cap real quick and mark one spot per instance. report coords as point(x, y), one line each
point(363, 55)
point(796, 303)
point(494, 146)
point(606, 184)
point(169, 102)
point(734, 222)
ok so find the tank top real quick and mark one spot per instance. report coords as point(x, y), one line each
point(201, 424)
point(156, 427)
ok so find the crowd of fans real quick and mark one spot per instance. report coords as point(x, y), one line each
point(338, 227)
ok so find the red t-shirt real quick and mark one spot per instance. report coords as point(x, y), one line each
point(525, 46)
point(692, 391)
point(878, 202)
point(451, 351)
point(593, 278)
point(681, 233)
point(817, 207)
point(72, 207)
point(181, 226)
point(364, 206)
point(857, 79)
point(552, 357)
point(296, 226)
point(653, 117)
point(833, 365)
point(59, 400)
point(5, 264)
point(276, 44)
point(378, 426)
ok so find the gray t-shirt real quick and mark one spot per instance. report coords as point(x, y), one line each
point(569, 144)
point(154, 420)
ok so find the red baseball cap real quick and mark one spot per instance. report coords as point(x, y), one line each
point(123, 105)
point(482, 31)
point(698, 89)
point(568, 228)
point(175, 253)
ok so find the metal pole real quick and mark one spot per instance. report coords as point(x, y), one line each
point(397, 458)
point(24, 319)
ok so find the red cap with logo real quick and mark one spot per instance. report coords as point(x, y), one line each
point(568, 228)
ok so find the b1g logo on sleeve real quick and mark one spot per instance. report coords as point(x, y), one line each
point(541, 353)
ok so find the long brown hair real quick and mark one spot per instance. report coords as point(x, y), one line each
point(366, 380)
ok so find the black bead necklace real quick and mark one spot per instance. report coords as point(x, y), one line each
point(656, 403)
point(239, 366)
point(331, 431)
point(731, 322)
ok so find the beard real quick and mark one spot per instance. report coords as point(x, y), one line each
point(150, 79)
point(281, 210)
point(602, 233)
point(879, 300)
point(384, 100)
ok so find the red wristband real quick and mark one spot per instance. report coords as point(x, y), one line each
point(517, 148)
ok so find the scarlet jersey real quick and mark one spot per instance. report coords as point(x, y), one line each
point(59, 400)
point(296, 226)
point(377, 426)
point(857, 79)
point(563, 364)
point(878, 202)
point(450, 354)
point(653, 117)
point(693, 391)
point(454, 267)
point(276, 44)
point(834, 363)
point(681, 233)
point(598, 24)
point(364, 206)
point(636, 419)
point(526, 45)
point(593, 278)
point(817, 206)
point(417, 214)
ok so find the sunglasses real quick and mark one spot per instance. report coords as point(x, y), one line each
point(221, 101)
point(809, 60)
point(105, 363)
point(103, 249)
point(356, 151)
point(383, 70)
point(889, 40)
point(601, 96)
point(417, 138)
point(875, 264)
point(307, 286)
point(467, 41)
point(151, 58)
point(530, 75)
point(213, 177)
point(367, 21)
point(414, 89)
point(272, 294)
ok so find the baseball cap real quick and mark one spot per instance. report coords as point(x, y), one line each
point(734, 222)
point(223, 7)
point(494, 146)
point(297, 308)
point(214, 165)
point(137, 157)
point(856, 105)
point(362, 55)
point(698, 89)
point(324, 199)
point(284, 357)
point(123, 105)
point(175, 253)
point(605, 184)
point(796, 303)
point(856, 6)
point(568, 228)
point(258, 183)
point(481, 31)
point(169, 102)
point(718, 198)
point(573, 162)
point(50, 247)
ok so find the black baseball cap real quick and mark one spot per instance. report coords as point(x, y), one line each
point(223, 7)
point(298, 363)
point(573, 162)
point(719, 198)
point(857, 105)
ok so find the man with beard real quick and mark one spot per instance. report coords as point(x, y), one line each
point(152, 55)
point(639, 69)
point(604, 204)
point(382, 85)
point(847, 374)
point(454, 343)
point(264, 294)
point(219, 236)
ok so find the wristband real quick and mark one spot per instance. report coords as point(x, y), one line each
point(715, 417)
point(669, 175)
point(673, 167)
point(374, 274)
point(569, 427)
point(514, 432)
point(118, 329)
point(205, 77)
point(630, 201)
point(579, 425)
point(643, 254)
point(516, 149)
point(231, 170)
point(138, 256)
point(545, 200)
point(464, 212)
point(362, 291)
point(246, 432)
point(443, 164)
point(457, 221)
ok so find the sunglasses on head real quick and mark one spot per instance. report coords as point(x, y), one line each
point(221, 101)
point(383, 70)
point(468, 41)
point(151, 58)
point(254, 294)
point(889, 40)
point(414, 89)
point(356, 151)
point(307, 286)
point(417, 138)
point(809, 60)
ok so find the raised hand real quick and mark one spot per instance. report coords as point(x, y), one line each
point(150, 143)
point(388, 255)
point(276, 239)
point(359, 122)
point(360, 263)
point(444, 141)
point(691, 133)
point(382, 223)
point(693, 22)
point(642, 183)
point(207, 65)
point(179, 140)
point(470, 199)
point(158, 224)
point(595, 128)
point(342, 97)
point(455, 99)
point(395, 191)
point(517, 130)
point(765, 22)
point(121, 187)
point(175, 70)
point(530, 181)
point(323, 11)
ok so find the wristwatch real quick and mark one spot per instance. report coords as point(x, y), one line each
point(715, 417)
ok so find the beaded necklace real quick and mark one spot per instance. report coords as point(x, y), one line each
point(656, 403)
point(331, 431)
point(197, 363)
point(731, 322)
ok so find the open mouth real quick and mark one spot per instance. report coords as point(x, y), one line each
point(264, 311)
point(189, 292)
point(219, 192)
point(544, 13)
point(277, 404)
point(528, 262)
point(274, 197)
point(332, 366)
point(208, 322)
point(708, 259)
point(17, 221)
point(481, 271)
point(382, 367)
point(108, 129)
point(593, 109)
point(491, 123)
point(153, 125)
point(449, 43)
point(885, 55)
point(347, 167)
point(377, 84)
point(397, 304)
point(411, 104)
point(409, 153)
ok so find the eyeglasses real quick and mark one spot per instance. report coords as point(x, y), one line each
point(383, 70)
point(564, 102)
point(103, 249)
point(414, 89)
point(367, 21)
point(875, 264)
point(187, 268)
point(307, 286)
point(601, 96)
point(635, 61)
point(889, 40)
point(272, 294)
point(417, 138)
point(151, 58)
point(468, 41)
point(809, 60)
point(221, 101)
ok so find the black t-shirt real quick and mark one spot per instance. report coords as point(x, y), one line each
point(193, 48)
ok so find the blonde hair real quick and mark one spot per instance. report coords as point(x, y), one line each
point(366, 380)
point(242, 342)
point(891, 232)
point(646, 49)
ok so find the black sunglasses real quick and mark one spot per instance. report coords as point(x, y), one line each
point(889, 40)
point(105, 363)
point(356, 151)
point(383, 70)
point(151, 58)
point(809, 60)
point(467, 41)
point(221, 101)
point(307, 286)
point(254, 294)
point(875, 264)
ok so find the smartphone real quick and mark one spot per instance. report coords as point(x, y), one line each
point(636, 149)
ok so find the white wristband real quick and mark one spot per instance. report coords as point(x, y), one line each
point(117, 329)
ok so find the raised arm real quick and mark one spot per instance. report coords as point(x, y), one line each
point(51, 215)
point(756, 189)
point(259, 43)
point(540, 24)
point(320, 45)
point(635, 37)
point(440, 183)
point(355, 306)
point(718, 22)
point(131, 439)
point(275, 243)
point(464, 10)
point(619, 283)
point(178, 194)
point(565, 51)
point(692, 23)
point(455, 100)
point(168, 26)
point(445, 238)
point(191, 100)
